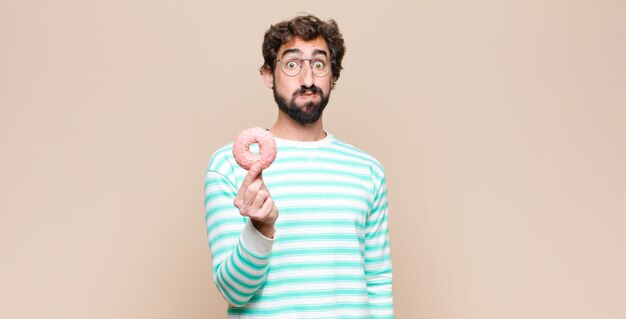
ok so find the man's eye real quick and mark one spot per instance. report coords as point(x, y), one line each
point(291, 64)
point(319, 65)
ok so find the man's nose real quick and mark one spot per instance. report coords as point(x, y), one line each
point(306, 74)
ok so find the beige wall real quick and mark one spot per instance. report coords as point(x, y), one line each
point(501, 125)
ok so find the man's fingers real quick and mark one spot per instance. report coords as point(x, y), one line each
point(251, 192)
point(268, 212)
point(251, 176)
point(260, 198)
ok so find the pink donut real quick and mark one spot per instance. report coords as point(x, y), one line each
point(267, 148)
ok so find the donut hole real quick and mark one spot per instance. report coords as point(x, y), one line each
point(254, 148)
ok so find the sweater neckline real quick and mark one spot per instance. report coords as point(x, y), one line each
point(314, 144)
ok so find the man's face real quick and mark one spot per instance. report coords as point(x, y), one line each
point(302, 97)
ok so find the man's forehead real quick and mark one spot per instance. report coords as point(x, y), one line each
point(299, 46)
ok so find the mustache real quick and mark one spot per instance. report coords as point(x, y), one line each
point(312, 89)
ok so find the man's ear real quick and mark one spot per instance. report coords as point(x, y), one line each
point(268, 76)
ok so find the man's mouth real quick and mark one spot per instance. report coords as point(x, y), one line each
point(308, 91)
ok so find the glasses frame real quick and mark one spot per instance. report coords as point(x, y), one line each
point(330, 68)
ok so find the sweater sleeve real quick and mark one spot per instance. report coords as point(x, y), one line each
point(377, 255)
point(240, 253)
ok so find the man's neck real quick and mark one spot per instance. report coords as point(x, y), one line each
point(287, 129)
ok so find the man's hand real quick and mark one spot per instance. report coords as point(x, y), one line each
point(254, 200)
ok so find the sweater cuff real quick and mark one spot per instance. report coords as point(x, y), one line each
point(254, 241)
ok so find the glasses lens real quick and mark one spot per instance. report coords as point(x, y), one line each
point(320, 67)
point(291, 67)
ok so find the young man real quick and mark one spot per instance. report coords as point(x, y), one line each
point(307, 237)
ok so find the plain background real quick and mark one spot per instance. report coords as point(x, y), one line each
point(501, 125)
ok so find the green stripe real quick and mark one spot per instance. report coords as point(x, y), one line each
point(313, 279)
point(316, 171)
point(377, 271)
point(304, 160)
point(224, 222)
point(251, 253)
point(317, 223)
point(219, 208)
point(316, 237)
point(299, 308)
point(309, 294)
point(320, 209)
point(229, 198)
point(226, 234)
point(214, 195)
point(378, 259)
point(320, 251)
point(316, 265)
point(239, 271)
point(323, 196)
point(243, 284)
point(376, 246)
point(385, 306)
point(224, 250)
point(375, 236)
point(248, 262)
point(314, 183)
point(214, 181)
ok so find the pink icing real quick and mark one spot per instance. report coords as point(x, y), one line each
point(267, 148)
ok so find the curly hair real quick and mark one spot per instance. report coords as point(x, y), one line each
point(306, 28)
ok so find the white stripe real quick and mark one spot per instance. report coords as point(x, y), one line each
point(313, 259)
point(286, 302)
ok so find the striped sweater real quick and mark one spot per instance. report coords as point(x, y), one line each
point(330, 255)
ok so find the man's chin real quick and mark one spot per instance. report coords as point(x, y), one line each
point(304, 115)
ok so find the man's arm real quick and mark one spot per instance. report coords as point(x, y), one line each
point(240, 252)
point(378, 256)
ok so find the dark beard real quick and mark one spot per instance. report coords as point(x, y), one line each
point(298, 114)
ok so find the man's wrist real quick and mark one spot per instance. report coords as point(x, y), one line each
point(266, 230)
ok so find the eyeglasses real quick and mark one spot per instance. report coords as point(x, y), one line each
point(293, 66)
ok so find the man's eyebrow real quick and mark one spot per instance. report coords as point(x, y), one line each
point(292, 50)
point(320, 51)
point(296, 50)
